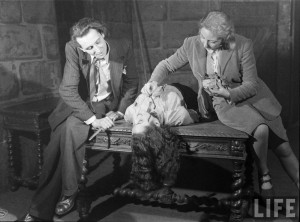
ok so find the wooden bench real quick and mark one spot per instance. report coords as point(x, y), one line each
point(207, 140)
point(31, 117)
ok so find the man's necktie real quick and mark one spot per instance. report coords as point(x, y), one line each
point(93, 78)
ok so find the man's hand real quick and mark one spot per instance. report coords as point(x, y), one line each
point(114, 115)
point(104, 123)
point(149, 88)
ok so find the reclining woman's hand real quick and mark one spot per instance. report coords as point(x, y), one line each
point(149, 88)
point(114, 115)
point(104, 123)
point(194, 115)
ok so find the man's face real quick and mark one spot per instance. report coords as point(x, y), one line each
point(93, 43)
point(209, 40)
point(142, 121)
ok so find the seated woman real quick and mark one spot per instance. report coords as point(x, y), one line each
point(155, 147)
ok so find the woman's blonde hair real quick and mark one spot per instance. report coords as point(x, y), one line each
point(220, 25)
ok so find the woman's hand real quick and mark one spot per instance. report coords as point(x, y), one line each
point(219, 91)
point(149, 88)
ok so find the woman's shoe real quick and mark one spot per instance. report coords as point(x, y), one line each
point(266, 193)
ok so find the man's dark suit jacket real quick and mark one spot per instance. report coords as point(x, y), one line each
point(74, 88)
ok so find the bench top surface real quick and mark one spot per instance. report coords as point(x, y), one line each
point(36, 107)
point(205, 129)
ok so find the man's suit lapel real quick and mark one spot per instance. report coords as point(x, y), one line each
point(85, 64)
point(116, 76)
point(116, 60)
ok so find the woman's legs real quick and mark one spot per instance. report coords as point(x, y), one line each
point(288, 160)
point(283, 151)
point(260, 146)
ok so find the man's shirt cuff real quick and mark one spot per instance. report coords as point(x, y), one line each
point(90, 120)
point(121, 114)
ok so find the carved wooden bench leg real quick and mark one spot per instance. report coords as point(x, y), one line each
point(39, 152)
point(83, 200)
point(248, 191)
point(237, 189)
point(13, 181)
point(116, 168)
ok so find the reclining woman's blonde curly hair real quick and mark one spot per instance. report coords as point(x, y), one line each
point(220, 25)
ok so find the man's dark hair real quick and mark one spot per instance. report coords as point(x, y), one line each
point(83, 26)
point(155, 158)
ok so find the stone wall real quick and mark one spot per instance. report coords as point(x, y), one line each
point(29, 58)
point(165, 24)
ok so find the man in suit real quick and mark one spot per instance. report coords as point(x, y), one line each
point(99, 83)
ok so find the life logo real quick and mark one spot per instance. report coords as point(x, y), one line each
point(283, 207)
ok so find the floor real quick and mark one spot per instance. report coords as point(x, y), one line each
point(198, 178)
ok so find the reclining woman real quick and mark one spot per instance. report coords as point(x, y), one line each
point(155, 147)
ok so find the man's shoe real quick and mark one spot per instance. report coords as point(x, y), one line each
point(65, 205)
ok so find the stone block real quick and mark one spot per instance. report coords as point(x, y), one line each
point(140, 65)
point(175, 32)
point(150, 32)
point(9, 84)
point(119, 11)
point(188, 10)
point(153, 57)
point(113, 10)
point(51, 76)
point(152, 10)
point(249, 13)
point(70, 11)
point(120, 30)
point(30, 73)
point(39, 77)
point(19, 42)
point(126, 9)
point(51, 42)
point(35, 11)
point(156, 55)
point(185, 78)
point(10, 12)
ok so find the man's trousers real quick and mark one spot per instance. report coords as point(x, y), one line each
point(63, 160)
